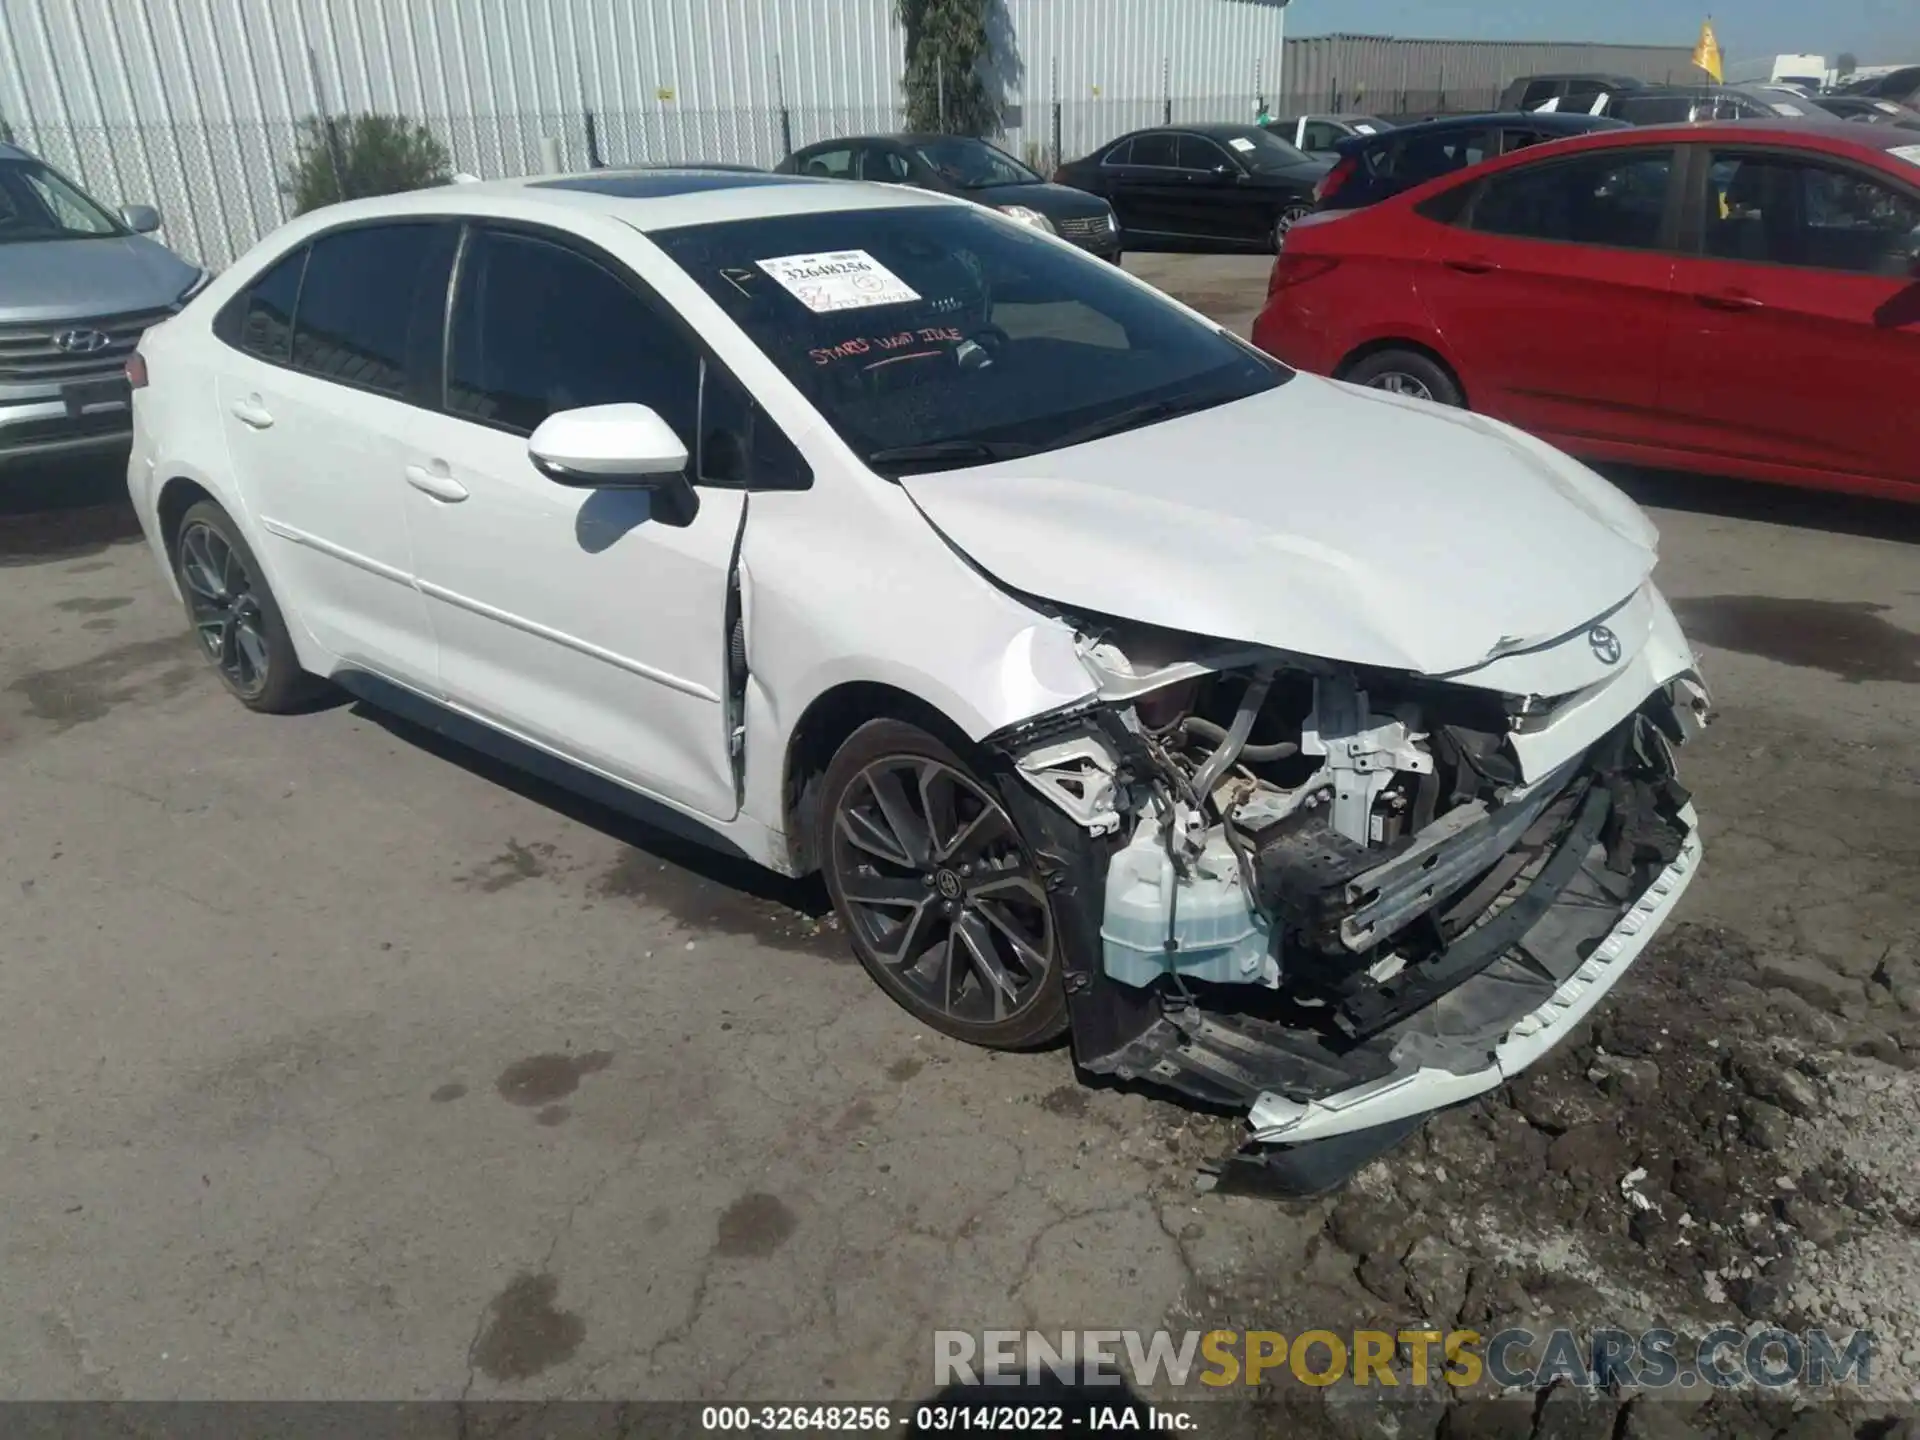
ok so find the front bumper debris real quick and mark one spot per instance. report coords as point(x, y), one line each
point(1532, 912)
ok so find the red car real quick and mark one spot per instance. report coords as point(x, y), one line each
point(1738, 297)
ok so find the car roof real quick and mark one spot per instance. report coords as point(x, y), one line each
point(899, 137)
point(648, 200)
point(12, 152)
point(1825, 134)
point(1573, 122)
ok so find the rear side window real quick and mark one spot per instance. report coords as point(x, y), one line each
point(1119, 154)
point(1155, 150)
point(370, 306)
point(1782, 210)
point(1196, 152)
point(539, 328)
point(1538, 93)
point(1612, 198)
point(832, 164)
point(266, 316)
point(1413, 159)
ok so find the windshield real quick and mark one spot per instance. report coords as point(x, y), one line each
point(1261, 151)
point(973, 164)
point(37, 204)
point(938, 336)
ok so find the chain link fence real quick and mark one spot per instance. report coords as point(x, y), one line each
point(220, 186)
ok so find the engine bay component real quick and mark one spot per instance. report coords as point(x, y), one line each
point(1200, 926)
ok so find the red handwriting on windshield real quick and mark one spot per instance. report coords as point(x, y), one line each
point(867, 344)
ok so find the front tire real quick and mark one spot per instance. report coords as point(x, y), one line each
point(235, 616)
point(1407, 372)
point(938, 890)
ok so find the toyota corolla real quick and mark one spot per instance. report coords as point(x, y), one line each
point(1295, 747)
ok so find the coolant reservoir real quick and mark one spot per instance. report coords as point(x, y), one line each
point(1218, 936)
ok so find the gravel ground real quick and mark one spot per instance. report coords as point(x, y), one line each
point(346, 1064)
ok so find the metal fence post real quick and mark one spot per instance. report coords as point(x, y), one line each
point(1166, 91)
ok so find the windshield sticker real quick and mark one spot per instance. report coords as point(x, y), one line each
point(1908, 153)
point(838, 280)
point(859, 345)
point(1364, 129)
point(1780, 107)
point(1240, 142)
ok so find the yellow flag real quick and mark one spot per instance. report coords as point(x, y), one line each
point(1707, 53)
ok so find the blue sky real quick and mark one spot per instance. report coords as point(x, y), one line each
point(1876, 31)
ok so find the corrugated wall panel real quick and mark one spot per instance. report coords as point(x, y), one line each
point(1115, 65)
point(1361, 72)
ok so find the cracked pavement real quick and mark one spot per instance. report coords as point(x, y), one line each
point(344, 1063)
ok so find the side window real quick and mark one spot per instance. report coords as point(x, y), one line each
point(1581, 95)
point(1319, 135)
point(1156, 149)
point(1414, 159)
point(539, 328)
point(1538, 93)
point(739, 445)
point(370, 306)
point(1119, 155)
point(265, 326)
point(1785, 211)
point(1610, 199)
point(1196, 152)
point(834, 164)
point(887, 166)
point(1652, 109)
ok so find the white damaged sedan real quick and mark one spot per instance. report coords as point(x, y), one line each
point(1295, 747)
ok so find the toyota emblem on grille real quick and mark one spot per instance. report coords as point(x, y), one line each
point(1606, 644)
point(81, 342)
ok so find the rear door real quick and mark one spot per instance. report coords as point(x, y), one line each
point(1796, 339)
point(1554, 291)
point(333, 356)
point(1149, 190)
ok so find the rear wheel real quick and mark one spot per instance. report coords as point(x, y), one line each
point(938, 889)
point(1407, 372)
point(234, 614)
point(1288, 217)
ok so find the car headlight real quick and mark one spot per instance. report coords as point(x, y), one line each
point(1027, 216)
point(1113, 223)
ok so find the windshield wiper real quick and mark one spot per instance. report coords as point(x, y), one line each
point(1135, 416)
point(957, 451)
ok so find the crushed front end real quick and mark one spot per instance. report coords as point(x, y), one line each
point(1339, 899)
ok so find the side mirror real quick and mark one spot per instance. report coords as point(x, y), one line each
point(141, 219)
point(609, 447)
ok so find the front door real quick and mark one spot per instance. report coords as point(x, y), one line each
point(1796, 339)
point(316, 402)
point(580, 620)
point(1553, 293)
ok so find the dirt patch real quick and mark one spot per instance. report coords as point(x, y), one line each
point(542, 1079)
point(525, 1333)
point(145, 672)
point(709, 896)
point(754, 1226)
point(512, 865)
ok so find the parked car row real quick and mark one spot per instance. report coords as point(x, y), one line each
point(1739, 297)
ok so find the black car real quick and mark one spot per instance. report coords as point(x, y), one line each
point(1572, 91)
point(1901, 86)
point(1216, 186)
point(1867, 110)
point(971, 169)
point(1370, 168)
point(1673, 104)
point(1318, 134)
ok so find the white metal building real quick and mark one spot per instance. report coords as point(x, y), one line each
point(195, 104)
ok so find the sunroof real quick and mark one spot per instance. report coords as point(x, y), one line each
point(646, 184)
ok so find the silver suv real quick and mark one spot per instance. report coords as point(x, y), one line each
point(77, 286)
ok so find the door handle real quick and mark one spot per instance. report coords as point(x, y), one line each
point(1729, 300)
point(436, 482)
point(250, 412)
point(1472, 265)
